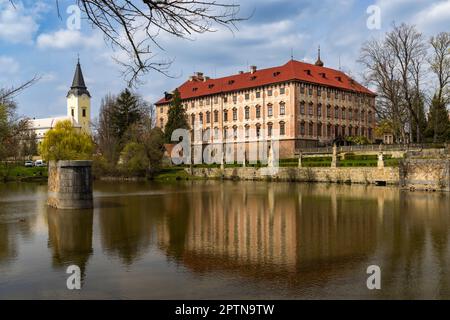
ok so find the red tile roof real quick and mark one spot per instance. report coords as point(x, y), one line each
point(292, 70)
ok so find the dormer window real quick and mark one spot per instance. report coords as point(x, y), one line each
point(230, 82)
point(277, 73)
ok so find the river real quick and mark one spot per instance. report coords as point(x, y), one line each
point(226, 240)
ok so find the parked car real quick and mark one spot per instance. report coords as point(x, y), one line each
point(29, 164)
point(40, 163)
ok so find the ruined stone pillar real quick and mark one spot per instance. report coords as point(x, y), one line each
point(70, 184)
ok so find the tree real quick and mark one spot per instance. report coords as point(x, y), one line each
point(440, 65)
point(177, 118)
point(438, 128)
point(64, 142)
point(134, 159)
point(106, 137)
point(133, 26)
point(127, 110)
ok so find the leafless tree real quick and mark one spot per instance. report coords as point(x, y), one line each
point(409, 48)
point(440, 64)
point(133, 26)
point(381, 71)
point(8, 94)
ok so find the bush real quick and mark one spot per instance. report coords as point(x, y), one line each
point(134, 159)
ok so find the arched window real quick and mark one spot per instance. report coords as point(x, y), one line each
point(336, 112)
point(225, 115)
point(208, 117)
point(302, 107)
point(310, 109)
point(234, 114)
point(258, 112)
point(311, 129)
point(302, 128)
point(200, 116)
point(328, 111)
point(319, 110)
point(269, 129)
point(216, 116)
point(192, 119)
point(216, 133)
point(258, 130)
point(235, 132)
point(282, 128)
point(247, 131)
point(225, 132)
point(319, 129)
point(282, 108)
point(343, 113)
point(207, 134)
point(247, 113)
point(269, 110)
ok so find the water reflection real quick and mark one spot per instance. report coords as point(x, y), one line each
point(255, 239)
point(70, 237)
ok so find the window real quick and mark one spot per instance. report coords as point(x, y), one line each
point(161, 123)
point(319, 110)
point(225, 115)
point(310, 109)
point(72, 112)
point(302, 128)
point(282, 90)
point(201, 103)
point(336, 95)
point(282, 128)
point(319, 92)
point(350, 114)
point(247, 113)
point(216, 99)
point(258, 94)
point(247, 131)
point(208, 117)
point(206, 134)
point(216, 133)
point(329, 130)
point(328, 94)
point(247, 96)
point(225, 99)
point(343, 113)
point(258, 130)
point(336, 112)
point(310, 91)
point(201, 117)
point(234, 99)
point(302, 89)
point(282, 108)
point(328, 111)
point(269, 92)
point(235, 132)
point(161, 110)
point(216, 116)
point(258, 112)
point(225, 132)
point(234, 114)
point(311, 129)
point(319, 129)
point(269, 129)
point(208, 101)
point(192, 105)
point(192, 119)
point(269, 110)
point(302, 108)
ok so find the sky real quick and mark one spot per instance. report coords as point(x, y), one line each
point(35, 41)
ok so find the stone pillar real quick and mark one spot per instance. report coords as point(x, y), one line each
point(300, 160)
point(70, 184)
point(380, 160)
point(334, 159)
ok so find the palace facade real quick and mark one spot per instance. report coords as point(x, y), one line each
point(304, 105)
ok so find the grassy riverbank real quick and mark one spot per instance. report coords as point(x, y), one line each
point(22, 174)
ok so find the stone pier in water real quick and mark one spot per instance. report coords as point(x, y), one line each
point(70, 184)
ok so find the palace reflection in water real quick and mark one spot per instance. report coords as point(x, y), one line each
point(226, 240)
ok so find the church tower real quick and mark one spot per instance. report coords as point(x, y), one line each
point(79, 101)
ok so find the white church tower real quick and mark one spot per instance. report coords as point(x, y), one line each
point(79, 101)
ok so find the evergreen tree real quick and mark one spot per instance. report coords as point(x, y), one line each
point(438, 129)
point(177, 118)
point(127, 110)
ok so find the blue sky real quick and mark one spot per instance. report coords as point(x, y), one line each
point(33, 40)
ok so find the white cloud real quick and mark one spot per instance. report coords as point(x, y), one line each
point(65, 39)
point(8, 65)
point(16, 24)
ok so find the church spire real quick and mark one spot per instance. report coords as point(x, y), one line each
point(78, 85)
point(319, 62)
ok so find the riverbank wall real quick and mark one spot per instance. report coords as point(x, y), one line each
point(369, 175)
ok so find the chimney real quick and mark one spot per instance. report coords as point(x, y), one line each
point(241, 72)
point(252, 69)
point(167, 95)
point(206, 78)
point(198, 76)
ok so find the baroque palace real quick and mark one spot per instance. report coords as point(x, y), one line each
point(304, 105)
